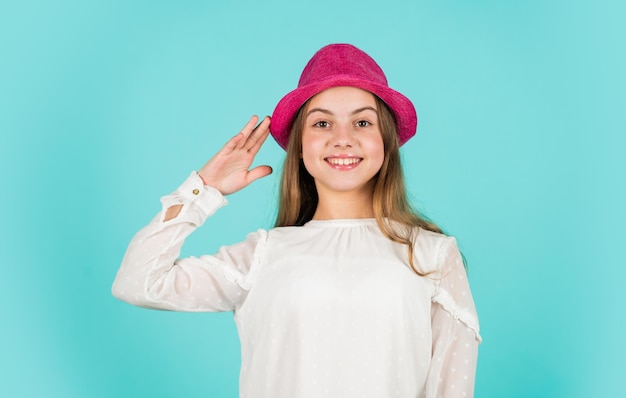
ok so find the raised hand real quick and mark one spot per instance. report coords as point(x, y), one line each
point(228, 171)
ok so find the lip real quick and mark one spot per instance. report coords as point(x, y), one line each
point(343, 162)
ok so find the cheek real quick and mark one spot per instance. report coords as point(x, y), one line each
point(376, 149)
point(311, 150)
point(309, 161)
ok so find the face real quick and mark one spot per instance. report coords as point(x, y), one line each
point(342, 146)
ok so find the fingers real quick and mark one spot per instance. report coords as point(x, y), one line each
point(250, 137)
point(258, 136)
point(258, 172)
point(232, 144)
point(247, 130)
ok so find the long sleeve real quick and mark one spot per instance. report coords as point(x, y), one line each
point(455, 330)
point(152, 275)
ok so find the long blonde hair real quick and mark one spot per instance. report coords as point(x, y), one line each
point(393, 213)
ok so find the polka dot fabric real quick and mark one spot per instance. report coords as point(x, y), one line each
point(329, 309)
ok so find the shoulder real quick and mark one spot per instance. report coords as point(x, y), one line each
point(428, 247)
point(282, 236)
point(284, 232)
point(430, 240)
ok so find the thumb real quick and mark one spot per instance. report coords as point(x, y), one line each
point(258, 172)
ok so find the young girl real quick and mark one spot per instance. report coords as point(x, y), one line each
point(352, 294)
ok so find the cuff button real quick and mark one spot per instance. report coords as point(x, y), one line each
point(195, 191)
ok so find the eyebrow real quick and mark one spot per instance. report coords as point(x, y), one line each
point(354, 112)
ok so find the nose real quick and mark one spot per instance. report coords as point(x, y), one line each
point(342, 137)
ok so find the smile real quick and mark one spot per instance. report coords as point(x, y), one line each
point(344, 161)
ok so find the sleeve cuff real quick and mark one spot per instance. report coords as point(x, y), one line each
point(199, 201)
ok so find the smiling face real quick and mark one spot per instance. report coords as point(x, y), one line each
point(342, 146)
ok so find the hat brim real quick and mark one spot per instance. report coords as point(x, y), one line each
point(285, 111)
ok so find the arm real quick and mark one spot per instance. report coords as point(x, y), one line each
point(152, 276)
point(455, 330)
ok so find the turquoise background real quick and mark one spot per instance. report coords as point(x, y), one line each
point(107, 105)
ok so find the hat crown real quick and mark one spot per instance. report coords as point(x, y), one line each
point(344, 60)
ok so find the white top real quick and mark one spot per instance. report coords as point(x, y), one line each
point(329, 309)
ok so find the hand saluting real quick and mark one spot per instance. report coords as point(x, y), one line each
point(228, 171)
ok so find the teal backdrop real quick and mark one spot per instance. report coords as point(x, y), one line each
point(107, 105)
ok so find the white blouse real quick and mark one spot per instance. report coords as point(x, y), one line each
point(329, 309)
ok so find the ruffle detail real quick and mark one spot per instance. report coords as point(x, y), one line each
point(447, 302)
point(449, 264)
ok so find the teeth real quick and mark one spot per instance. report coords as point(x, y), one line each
point(343, 161)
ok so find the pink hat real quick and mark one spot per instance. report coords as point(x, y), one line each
point(342, 65)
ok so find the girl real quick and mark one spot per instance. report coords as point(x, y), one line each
point(352, 294)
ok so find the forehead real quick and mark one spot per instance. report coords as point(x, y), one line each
point(343, 97)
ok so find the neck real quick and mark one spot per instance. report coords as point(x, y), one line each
point(344, 206)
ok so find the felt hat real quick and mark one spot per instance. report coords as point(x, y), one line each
point(342, 65)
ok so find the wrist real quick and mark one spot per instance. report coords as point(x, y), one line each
point(204, 182)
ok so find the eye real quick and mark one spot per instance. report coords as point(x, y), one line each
point(322, 124)
point(363, 123)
